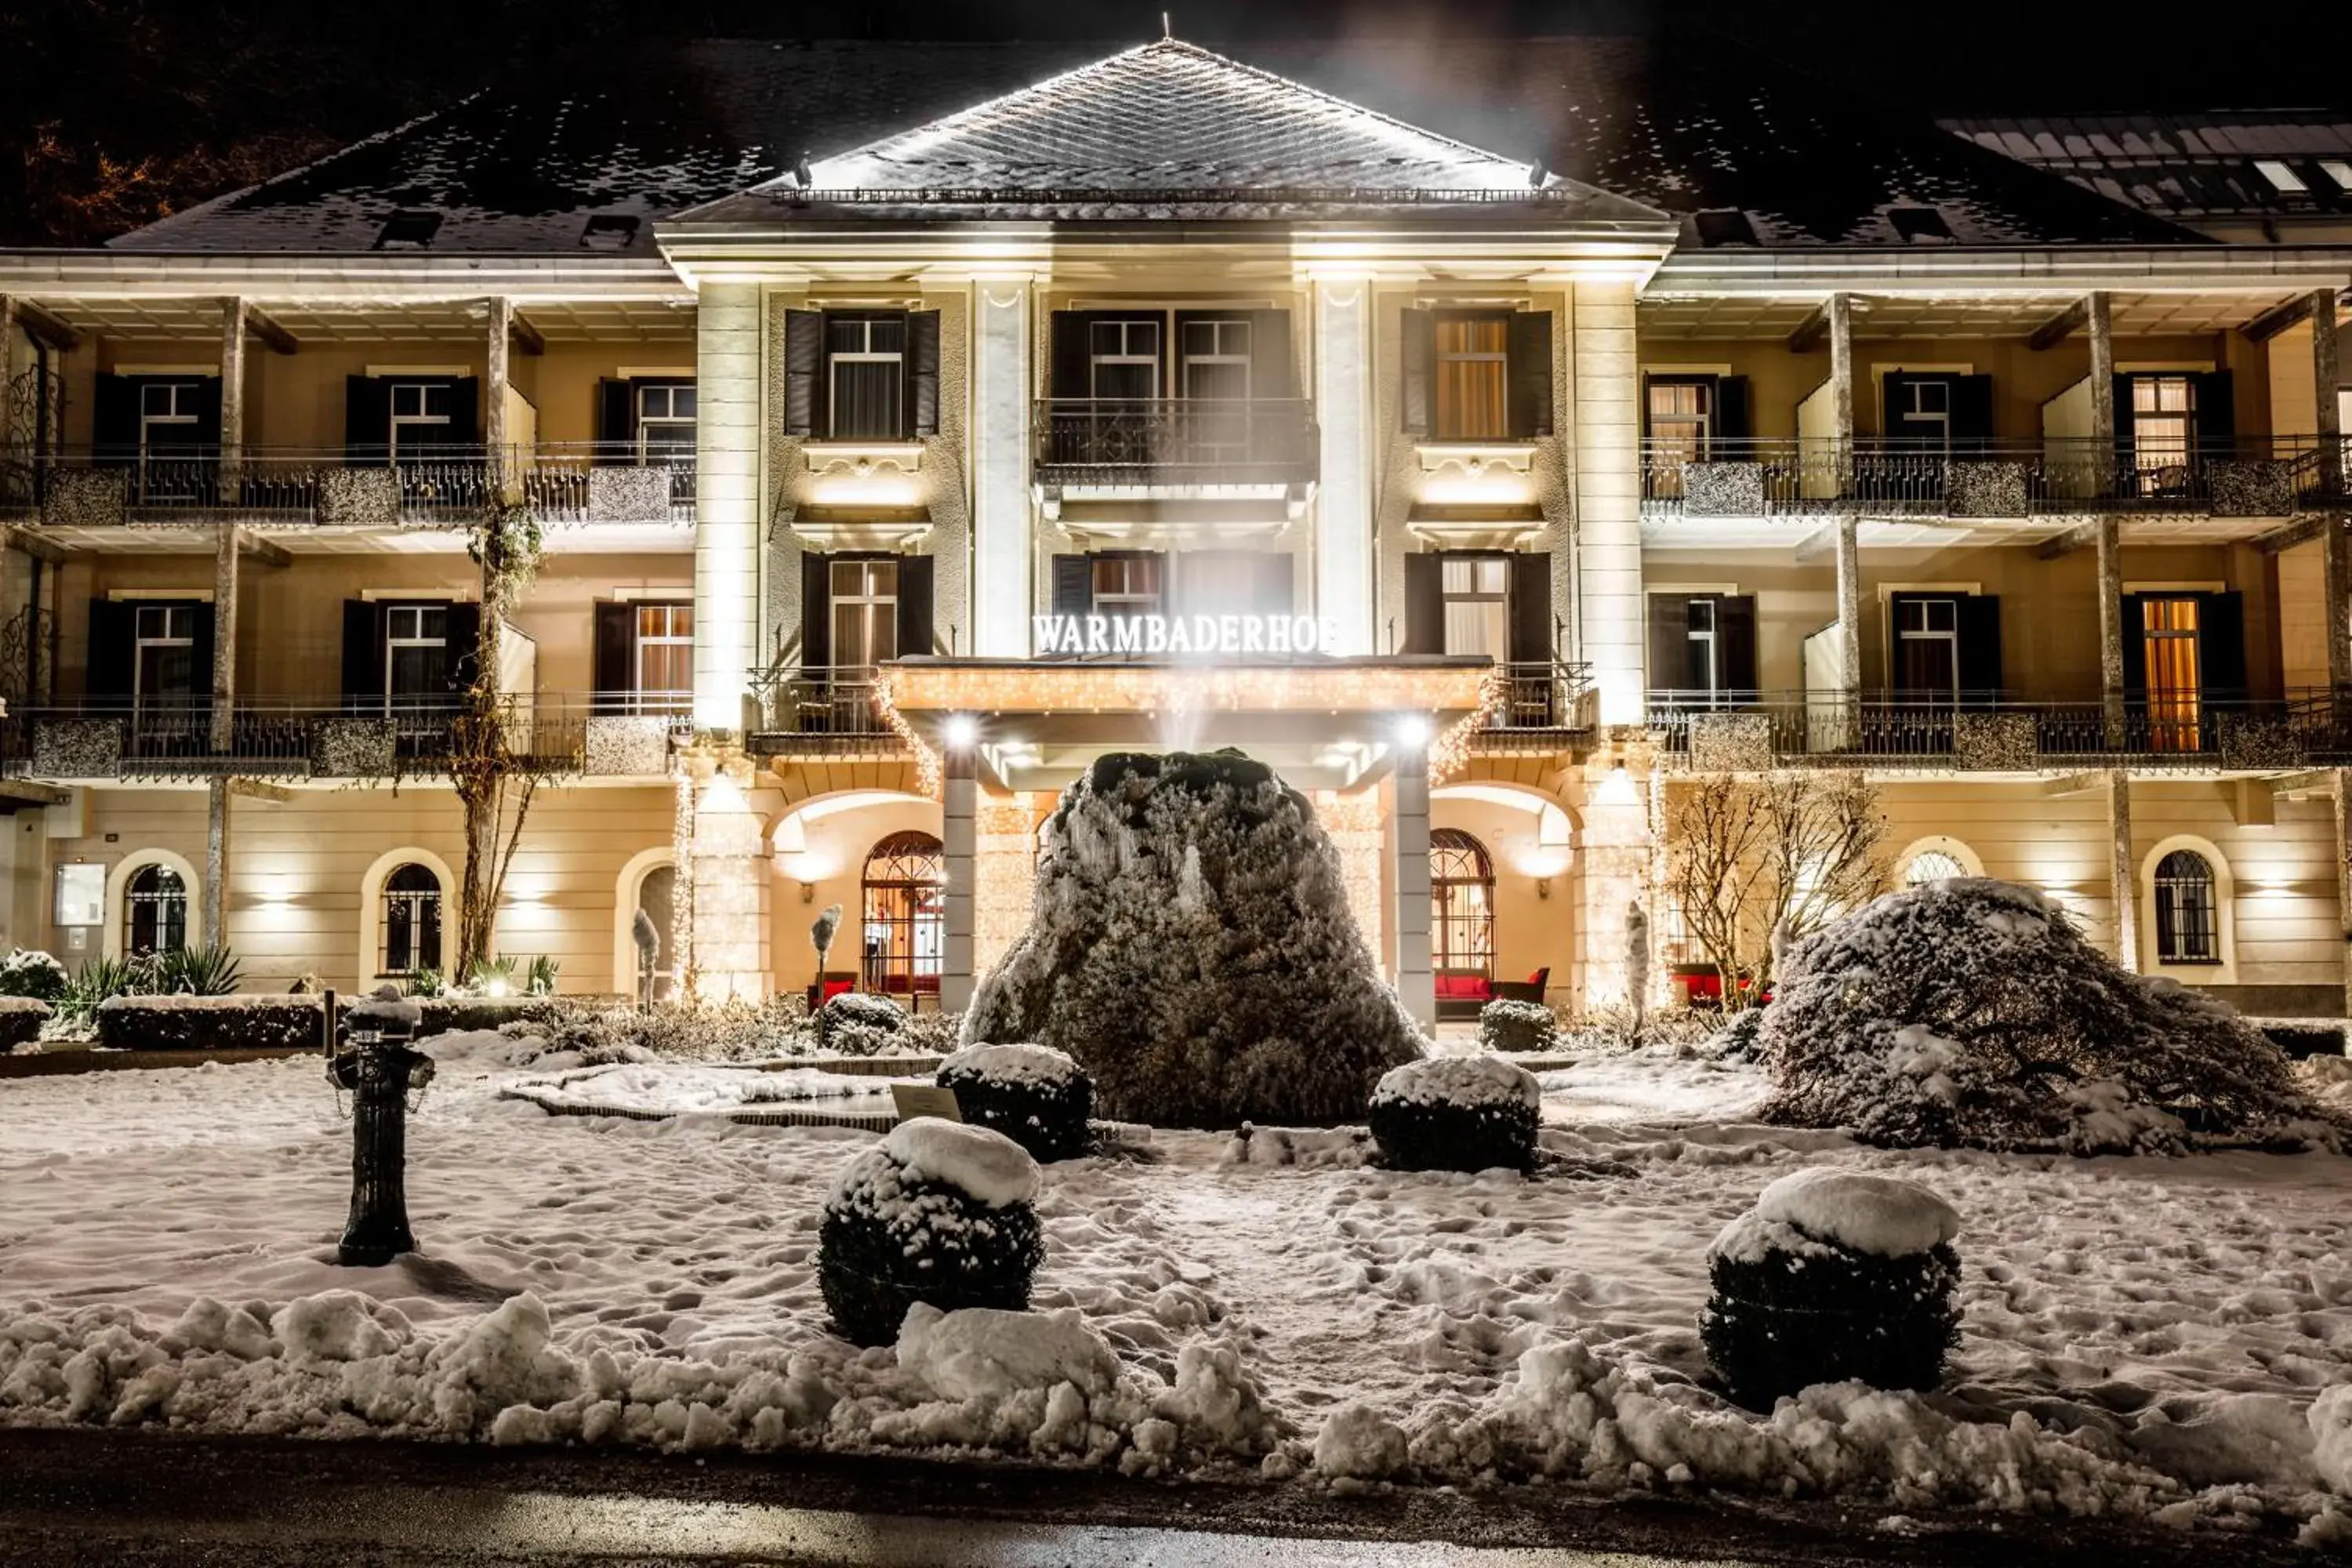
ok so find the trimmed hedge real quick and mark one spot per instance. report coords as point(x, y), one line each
point(2301, 1040)
point(860, 1023)
point(889, 1240)
point(208, 1023)
point(1507, 1026)
point(1049, 1116)
point(21, 1018)
point(1441, 1137)
point(1790, 1319)
point(454, 1015)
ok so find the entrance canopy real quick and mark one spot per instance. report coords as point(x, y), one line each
point(1323, 723)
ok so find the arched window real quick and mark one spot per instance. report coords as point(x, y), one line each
point(906, 932)
point(154, 911)
point(657, 896)
point(1932, 866)
point(2187, 909)
point(1461, 905)
point(411, 920)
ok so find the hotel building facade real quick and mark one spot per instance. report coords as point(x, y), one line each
point(1492, 436)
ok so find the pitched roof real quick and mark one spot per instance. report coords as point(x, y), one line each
point(1666, 123)
point(2206, 164)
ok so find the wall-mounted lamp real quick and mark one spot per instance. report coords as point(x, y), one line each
point(1543, 887)
point(1616, 788)
point(1413, 731)
point(960, 731)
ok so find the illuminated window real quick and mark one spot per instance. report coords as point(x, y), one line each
point(1932, 866)
point(411, 921)
point(1473, 374)
point(665, 421)
point(2170, 637)
point(906, 916)
point(2187, 909)
point(1478, 605)
point(1461, 905)
point(1128, 585)
point(2164, 423)
point(865, 614)
point(866, 366)
point(2280, 177)
point(665, 659)
point(1681, 418)
point(154, 913)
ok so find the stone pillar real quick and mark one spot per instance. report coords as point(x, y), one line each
point(2337, 560)
point(2112, 632)
point(2343, 812)
point(1004, 874)
point(497, 360)
point(232, 376)
point(1842, 388)
point(1343, 412)
point(1849, 610)
point(223, 723)
point(2098, 326)
point(958, 843)
point(727, 875)
point(2123, 874)
point(1607, 431)
point(1616, 854)
point(726, 503)
point(1416, 985)
point(1002, 571)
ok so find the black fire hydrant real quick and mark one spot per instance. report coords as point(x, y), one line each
point(379, 1067)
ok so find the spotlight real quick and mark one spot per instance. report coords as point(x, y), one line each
point(961, 732)
point(1413, 731)
point(1617, 788)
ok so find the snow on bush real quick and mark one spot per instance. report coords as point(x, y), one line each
point(1035, 1095)
point(21, 1021)
point(190, 1022)
point(938, 1212)
point(1832, 1276)
point(1974, 1012)
point(1507, 1026)
point(1457, 1113)
point(30, 972)
point(1192, 946)
point(860, 1023)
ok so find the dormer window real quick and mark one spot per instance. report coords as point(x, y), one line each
point(1726, 226)
point(409, 231)
point(1919, 225)
point(609, 231)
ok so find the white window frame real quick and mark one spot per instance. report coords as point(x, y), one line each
point(1927, 633)
point(1711, 635)
point(1154, 330)
point(1439, 357)
point(1910, 420)
point(668, 419)
point(1671, 424)
point(2225, 902)
point(1127, 600)
point(1476, 592)
point(881, 610)
point(422, 418)
point(1218, 328)
point(870, 354)
point(393, 641)
point(670, 698)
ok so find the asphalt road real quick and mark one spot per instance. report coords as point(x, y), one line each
point(133, 1500)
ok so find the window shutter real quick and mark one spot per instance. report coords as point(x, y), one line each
point(2217, 414)
point(1067, 372)
point(917, 636)
point(107, 676)
point(615, 656)
point(1971, 413)
point(1272, 373)
point(367, 420)
point(1669, 642)
point(804, 371)
point(1417, 348)
point(922, 376)
point(208, 413)
point(617, 420)
point(465, 427)
point(1273, 586)
point(1074, 585)
point(362, 652)
point(1980, 649)
point(1531, 607)
point(2135, 632)
point(114, 420)
point(2221, 646)
point(1733, 419)
point(465, 646)
point(1530, 372)
point(816, 612)
point(201, 645)
point(1894, 396)
point(1734, 634)
point(1424, 603)
point(2124, 419)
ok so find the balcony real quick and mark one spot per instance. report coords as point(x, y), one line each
point(2054, 478)
point(1174, 442)
point(822, 712)
point(444, 487)
point(1539, 706)
point(1991, 732)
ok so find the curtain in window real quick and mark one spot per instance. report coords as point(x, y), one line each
point(2174, 698)
point(1472, 366)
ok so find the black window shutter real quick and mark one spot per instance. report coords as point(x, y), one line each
point(1272, 371)
point(208, 413)
point(107, 677)
point(816, 612)
point(803, 372)
point(465, 646)
point(1067, 372)
point(617, 420)
point(2221, 645)
point(362, 652)
point(1894, 399)
point(1531, 607)
point(2217, 413)
point(114, 420)
point(1971, 413)
point(1980, 650)
point(1424, 602)
point(615, 656)
point(1734, 420)
point(1669, 642)
point(923, 374)
point(1074, 585)
point(2135, 636)
point(917, 636)
point(1530, 372)
point(465, 427)
point(2124, 419)
point(367, 419)
point(201, 644)
point(1735, 642)
point(1418, 348)
point(1273, 595)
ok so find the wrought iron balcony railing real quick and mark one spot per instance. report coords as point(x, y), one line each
point(1174, 440)
point(1543, 698)
point(2255, 477)
point(423, 487)
point(819, 709)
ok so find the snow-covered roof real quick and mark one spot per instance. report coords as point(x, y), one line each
point(2217, 163)
point(1738, 150)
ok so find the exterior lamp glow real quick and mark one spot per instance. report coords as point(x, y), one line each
point(1413, 731)
point(960, 731)
point(1617, 789)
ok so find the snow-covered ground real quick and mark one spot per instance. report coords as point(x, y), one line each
point(2142, 1335)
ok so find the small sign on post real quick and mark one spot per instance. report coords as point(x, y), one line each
point(914, 1100)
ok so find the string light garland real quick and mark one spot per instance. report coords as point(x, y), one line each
point(928, 772)
point(1450, 752)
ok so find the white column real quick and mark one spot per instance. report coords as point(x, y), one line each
point(2327, 422)
point(1608, 496)
point(1416, 986)
point(232, 379)
point(1000, 383)
point(2123, 874)
point(1343, 510)
point(726, 503)
point(959, 844)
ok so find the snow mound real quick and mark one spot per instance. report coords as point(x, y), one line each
point(1881, 1216)
point(1460, 1080)
point(983, 1353)
point(984, 1166)
point(1017, 1064)
point(1192, 946)
point(1358, 1442)
point(338, 1325)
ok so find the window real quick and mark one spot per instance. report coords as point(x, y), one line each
point(1704, 672)
point(81, 894)
point(415, 656)
point(1217, 359)
point(864, 613)
point(2164, 422)
point(2340, 171)
point(1923, 413)
point(1928, 647)
point(408, 231)
point(164, 658)
point(1461, 905)
point(609, 231)
point(906, 916)
point(1478, 605)
point(154, 911)
point(865, 367)
point(1723, 226)
point(1918, 224)
point(665, 421)
point(1682, 418)
point(168, 413)
point(2187, 909)
point(1128, 585)
point(1123, 360)
point(665, 659)
point(2170, 637)
point(1932, 866)
point(1472, 350)
point(420, 414)
point(412, 921)
point(2282, 178)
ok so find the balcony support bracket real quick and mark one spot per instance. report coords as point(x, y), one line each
point(263, 551)
point(2082, 536)
point(255, 789)
point(273, 335)
point(2060, 327)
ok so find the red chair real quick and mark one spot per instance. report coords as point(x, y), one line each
point(1531, 989)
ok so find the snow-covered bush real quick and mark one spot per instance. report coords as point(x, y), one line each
point(1035, 1095)
point(21, 1018)
point(860, 1023)
point(1457, 1113)
point(937, 1212)
point(1832, 1274)
point(1738, 1041)
point(1192, 946)
point(30, 972)
point(185, 1023)
point(1974, 1012)
point(1507, 1026)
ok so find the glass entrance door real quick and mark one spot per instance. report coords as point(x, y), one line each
point(2170, 630)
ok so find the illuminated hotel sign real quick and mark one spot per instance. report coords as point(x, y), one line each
point(1153, 636)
